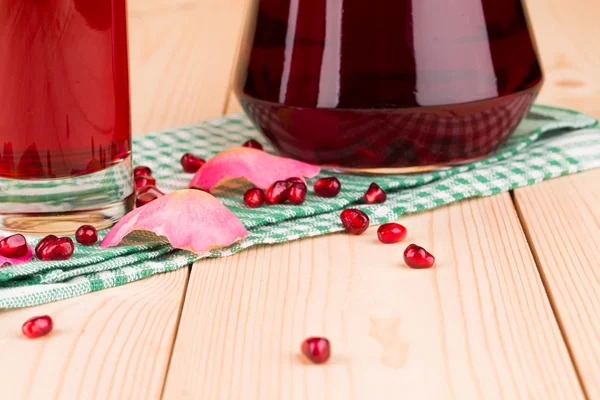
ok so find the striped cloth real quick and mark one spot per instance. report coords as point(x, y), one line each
point(551, 142)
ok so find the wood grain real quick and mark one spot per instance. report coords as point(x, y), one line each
point(569, 205)
point(566, 33)
point(181, 55)
point(113, 344)
point(562, 216)
point(478, 325)
point(116, 344)
point(562, 219)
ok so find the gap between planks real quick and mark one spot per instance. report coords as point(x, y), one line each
point(551, 298)
point(108, 344)
point(476, 326)
point(564, 235)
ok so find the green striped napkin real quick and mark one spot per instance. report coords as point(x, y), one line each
point(551, 142)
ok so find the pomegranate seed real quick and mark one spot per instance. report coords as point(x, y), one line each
point(37, 327)
point(43, 243)
point(316, 349)
point(191, 163)
point(13, 246)
point(254, 197)
point(145, 198)
point(142, 170)
point(391, 233)
point(375, 194)
point(277, 193)
point(57, 250)
point(253, 144)
point(144, 180)
point(297, 193)
point(355, 221)
point(200, 188)
point(295, 179)
point(417, 257)
point(149, 189)
point(87, 235)
point(327, 187)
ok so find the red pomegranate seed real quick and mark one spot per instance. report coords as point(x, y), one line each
point(417, 257)
point(86, 235)
point(295, 179)
point(391, 233)
point(37, 327)
point(254, 197)
point(57, 250)
point(13, 246)
point(144, 180)
point(316, 349)
point(327, 187)
point(145, 198)
point(253, 144)
point(43, 243)
point(191, 163)
point(355, 221)
point(297, 193)
point(196, 187)
point(375, 194)
point(142, 170)
point(277, 193)
point(149, 189)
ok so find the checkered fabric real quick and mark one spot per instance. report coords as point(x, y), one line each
point(550, 142)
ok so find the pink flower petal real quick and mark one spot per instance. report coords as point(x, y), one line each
point(257, 166)
point(5, 261)
point(190, 219)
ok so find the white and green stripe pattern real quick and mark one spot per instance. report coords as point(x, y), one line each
point(549, 143)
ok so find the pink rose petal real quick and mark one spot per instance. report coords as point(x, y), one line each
point(257, 166)
point(5, 261)
point(190, 219)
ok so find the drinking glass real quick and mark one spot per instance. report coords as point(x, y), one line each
point(65, 135)
point(387, 85)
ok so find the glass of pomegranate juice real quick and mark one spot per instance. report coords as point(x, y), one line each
point(388, 86)
point(65, 136)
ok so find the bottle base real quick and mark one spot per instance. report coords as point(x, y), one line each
point(65, 223)
point(402, 140)
point(60, 206)
point(399, 170)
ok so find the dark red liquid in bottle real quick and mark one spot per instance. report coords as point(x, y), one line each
point(388, 83)
point(64, 89)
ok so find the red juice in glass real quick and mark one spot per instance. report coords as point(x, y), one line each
point(388, 85)
point(65, 137)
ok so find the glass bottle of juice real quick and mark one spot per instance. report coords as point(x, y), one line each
point(388, 85)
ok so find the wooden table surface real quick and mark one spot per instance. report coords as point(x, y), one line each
point(511, 311)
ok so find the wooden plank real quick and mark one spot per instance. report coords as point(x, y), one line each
point(479, 325)
point(565, 32)
point(233, 105)
point(117, 343)
point(562, 220)
point(182, 53)
point(562, 216)
point(105, 345)
point(571, 81)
